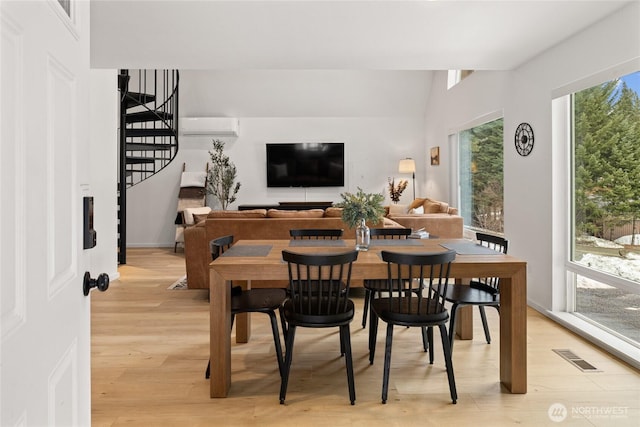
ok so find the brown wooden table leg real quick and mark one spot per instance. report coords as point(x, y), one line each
point(243, 320)
point(464, 317)
point(513, 332)
point(464, 322)
point(220, 336)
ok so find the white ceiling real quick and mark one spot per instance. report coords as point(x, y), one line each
point(385, 35)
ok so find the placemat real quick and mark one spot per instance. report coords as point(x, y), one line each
point(248, 250)
point(395, 242)
point(412, 253)
point(469, 248)
point(317, 243)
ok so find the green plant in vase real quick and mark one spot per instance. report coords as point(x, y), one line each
point(357, 210)
point(222, 176)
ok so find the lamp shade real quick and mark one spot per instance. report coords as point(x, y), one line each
point(407, 166)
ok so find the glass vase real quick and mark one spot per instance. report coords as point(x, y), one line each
point(363, 236)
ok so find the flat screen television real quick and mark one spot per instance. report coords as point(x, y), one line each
point(305, 164)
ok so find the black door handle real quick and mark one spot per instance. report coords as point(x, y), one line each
point(102, 283)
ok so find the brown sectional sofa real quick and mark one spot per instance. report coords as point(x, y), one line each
point(438, 225)
point(249, 224)
point(260, 224)
point(436, 217)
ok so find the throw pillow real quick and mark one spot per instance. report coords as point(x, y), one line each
point(197, 218)
point(190, 212)
point(250, 213)
point(282, 213)
point(189, 203)
point(389, 223)
point(418, 211)
point(416, 203)
point(333, 212)
point(398, 209)
point(431, 206)
point(442, 207)
point(193, 179)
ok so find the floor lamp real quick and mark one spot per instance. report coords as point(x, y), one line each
point(408, 165)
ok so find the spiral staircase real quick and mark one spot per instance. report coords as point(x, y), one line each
point(148, 133)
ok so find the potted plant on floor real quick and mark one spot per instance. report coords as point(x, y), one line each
point(222, 176)
point(357, 210)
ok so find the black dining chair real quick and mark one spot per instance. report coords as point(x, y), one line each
point(316, 233)
point(422, 307)
point(372, 286)
point(481, 292)
point(253, 301)
point(319, 298)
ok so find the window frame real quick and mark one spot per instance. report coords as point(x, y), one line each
point(454, 148)
point(564, 270)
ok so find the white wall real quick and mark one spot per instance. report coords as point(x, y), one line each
point(104, 170)
point(465, 105)
point(379, 115)
point(525, 95)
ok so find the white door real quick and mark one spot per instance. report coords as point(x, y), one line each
point(45, 342)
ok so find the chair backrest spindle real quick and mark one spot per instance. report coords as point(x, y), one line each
point(430, 271)
point(389, 233)
point(319, 283)
point(315, 233)
point(498, 244)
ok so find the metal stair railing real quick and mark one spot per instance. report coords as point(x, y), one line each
point(148, 132)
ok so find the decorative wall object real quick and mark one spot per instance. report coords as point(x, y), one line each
point(435, 156)
point(524, 139)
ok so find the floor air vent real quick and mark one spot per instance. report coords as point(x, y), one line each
point(575, 360)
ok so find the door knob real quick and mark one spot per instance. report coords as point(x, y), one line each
point(102, 283)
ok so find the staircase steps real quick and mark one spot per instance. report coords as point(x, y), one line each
point(148, 116)
point(134, 99)
point(140, 146)
point(136, 160)
point(130, 172)
point(142, 132)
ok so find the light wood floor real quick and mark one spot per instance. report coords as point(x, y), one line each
point(150, 350)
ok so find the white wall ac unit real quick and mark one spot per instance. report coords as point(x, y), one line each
point(224, 126)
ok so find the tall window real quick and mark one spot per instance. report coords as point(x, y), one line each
point(606, 205)
point(66, 5)
point(456, 76)
point(481, 176)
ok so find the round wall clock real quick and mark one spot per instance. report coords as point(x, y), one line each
point(524, 139)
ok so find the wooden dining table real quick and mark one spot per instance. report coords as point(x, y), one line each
point(251, 260)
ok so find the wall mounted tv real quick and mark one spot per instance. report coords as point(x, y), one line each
point(305, 164)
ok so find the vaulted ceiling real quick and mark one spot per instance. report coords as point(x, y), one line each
point(364, 35)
